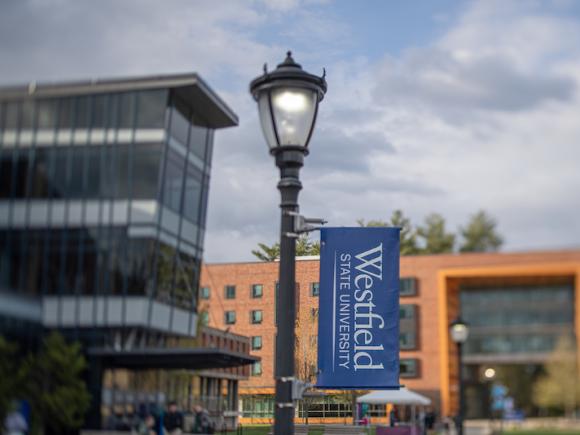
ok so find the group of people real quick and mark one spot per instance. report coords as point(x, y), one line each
point(157, 421)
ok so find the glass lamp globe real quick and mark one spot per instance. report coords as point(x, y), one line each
point(288, 100)
point(459, 331)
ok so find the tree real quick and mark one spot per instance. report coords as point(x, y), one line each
point(10, 376)
point(480, 234)
point(267, 253)
point(304, 247)
point(59, 397)
point(435, 239)
point(559, 387)
point(408, 233)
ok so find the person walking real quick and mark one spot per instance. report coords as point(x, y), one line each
point(173, 420)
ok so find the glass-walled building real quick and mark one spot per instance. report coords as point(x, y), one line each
point(103, 198)
point(103, 192)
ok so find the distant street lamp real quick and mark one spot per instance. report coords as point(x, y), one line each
point(288, 100)
point(459, 331)
point(489, 373)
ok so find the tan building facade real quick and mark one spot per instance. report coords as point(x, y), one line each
point(519, 305)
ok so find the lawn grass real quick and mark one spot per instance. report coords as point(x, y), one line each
point(542, 432)
point(263, 430)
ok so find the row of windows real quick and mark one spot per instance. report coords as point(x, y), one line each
point(256, 317)
point(503, 319)
point(107, 172)
point(408, 368)
point(142, 109)
point(96, 260)
point(104, 172)
point(408, 287)
point(256, 291)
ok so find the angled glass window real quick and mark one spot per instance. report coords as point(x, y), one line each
point(180, 124)
point(5, 173)
point(230, 291)
point(192, 194)
point(257, 290)
point(46, 114)
point(197, 140)
point(165, 272)
point(151, 109)
point(187, 269)
point(230, 317)
point(173, 181)
point(257, 342)
point(139, 265)
point(146, 164)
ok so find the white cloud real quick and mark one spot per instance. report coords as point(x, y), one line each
point(486, 116)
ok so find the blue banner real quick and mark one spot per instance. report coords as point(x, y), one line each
point(358, 323)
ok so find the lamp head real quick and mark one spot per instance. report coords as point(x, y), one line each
point(288, 100)
point(459, 330)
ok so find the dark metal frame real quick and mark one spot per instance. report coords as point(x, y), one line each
point(289, 159)
point(461, 411)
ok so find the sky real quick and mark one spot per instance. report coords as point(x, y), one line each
point(440, 106)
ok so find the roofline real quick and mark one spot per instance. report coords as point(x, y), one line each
point(171, 81)
point(315, 258)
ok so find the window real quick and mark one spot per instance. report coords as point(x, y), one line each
point(204, 318)
point(257, 290)
point(257, 342)
point(406, 312)
point(408, 287)
point(408, 334)
point(230, 317)
point(315, 289)
point(180, 124)
point(230, 291)
point(151, 112)
point(409, 368)
point(257, 368)
point(407, 340)
point(314, 313)
point(173, 181)
point(204, 293)
point(193, 193)
point(256, 316)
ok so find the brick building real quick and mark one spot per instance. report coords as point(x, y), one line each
point(518, 304)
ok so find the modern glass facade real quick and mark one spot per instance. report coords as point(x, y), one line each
point(103, 194)
point(517, 320)
point(103, 199)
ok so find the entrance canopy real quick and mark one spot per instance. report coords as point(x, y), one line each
point(172, 358)
point(396, 397)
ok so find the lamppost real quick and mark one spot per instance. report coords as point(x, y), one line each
point(459, 331)
point(288, 100)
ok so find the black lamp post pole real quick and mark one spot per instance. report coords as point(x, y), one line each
point(460, 414)
point(289, 160)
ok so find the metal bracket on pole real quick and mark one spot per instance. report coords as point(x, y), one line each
point(298, 389)
point(298, 386)
point(285, 405)
point(303, 224)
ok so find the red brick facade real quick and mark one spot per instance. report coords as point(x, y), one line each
point(437, 277)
